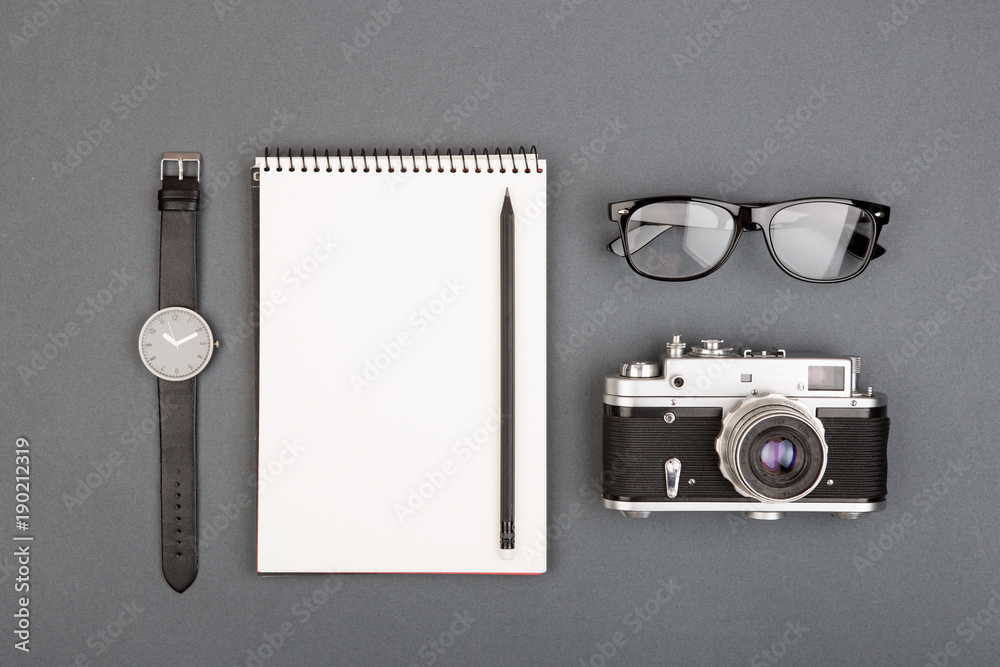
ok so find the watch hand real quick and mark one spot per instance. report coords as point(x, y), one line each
point(186, 339)
point(170, 339)
point(171, 329)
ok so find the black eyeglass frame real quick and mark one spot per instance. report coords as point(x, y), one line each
point(748, 217)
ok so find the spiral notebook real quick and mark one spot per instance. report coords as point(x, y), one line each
point(378, 291)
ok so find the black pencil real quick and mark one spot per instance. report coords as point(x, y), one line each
point(507, 378)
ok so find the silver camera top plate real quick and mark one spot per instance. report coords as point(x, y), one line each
point(702, 374)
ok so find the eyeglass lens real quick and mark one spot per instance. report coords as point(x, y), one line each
point(822, 240)
point(679, 239)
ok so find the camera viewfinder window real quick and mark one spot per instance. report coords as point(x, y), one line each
point(826, 378)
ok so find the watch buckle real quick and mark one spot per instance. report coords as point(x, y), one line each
point(180, 159)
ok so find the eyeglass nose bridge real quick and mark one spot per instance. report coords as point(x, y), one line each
point(746, 219)
point(745, 223)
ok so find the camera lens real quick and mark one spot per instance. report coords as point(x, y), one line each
point(779, 453)
point(778, 456)
point(772, 449)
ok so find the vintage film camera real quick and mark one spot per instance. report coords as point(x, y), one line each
point(765, 433)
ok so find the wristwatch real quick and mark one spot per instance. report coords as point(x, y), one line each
point(176, 344)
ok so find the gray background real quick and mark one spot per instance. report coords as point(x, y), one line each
point(892, 588)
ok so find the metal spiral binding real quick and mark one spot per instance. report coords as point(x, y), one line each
point(519, 161)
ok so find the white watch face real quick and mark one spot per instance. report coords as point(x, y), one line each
point(176, 343)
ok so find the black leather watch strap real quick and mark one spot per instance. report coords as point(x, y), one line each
point(178, 204)
point(178, 483)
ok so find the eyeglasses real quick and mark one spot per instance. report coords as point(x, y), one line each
point(684, 238)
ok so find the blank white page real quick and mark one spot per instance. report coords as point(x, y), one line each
point(379, 369)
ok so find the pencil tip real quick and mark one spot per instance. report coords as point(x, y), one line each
point(507, 193)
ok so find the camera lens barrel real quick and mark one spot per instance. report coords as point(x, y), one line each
point(772, 449)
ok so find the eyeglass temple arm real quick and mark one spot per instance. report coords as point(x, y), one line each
point(859, 244)
point(636, 241)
